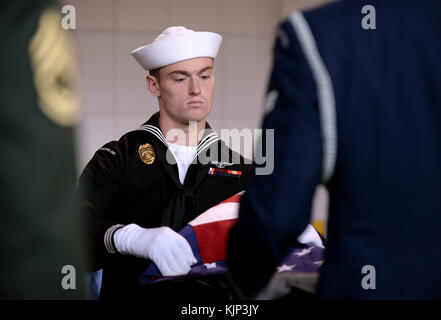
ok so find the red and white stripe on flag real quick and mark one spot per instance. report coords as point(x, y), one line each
point(213, 227)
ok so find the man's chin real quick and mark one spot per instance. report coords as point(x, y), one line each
point(197, 115)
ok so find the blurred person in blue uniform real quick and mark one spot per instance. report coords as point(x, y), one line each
point(360, 110)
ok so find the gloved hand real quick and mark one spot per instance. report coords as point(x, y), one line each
point(165, 247)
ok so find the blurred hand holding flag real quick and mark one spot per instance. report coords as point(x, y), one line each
point(208, 238)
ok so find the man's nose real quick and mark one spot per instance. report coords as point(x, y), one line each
point(194, 86)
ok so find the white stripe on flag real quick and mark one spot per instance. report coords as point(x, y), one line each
point(223, 211)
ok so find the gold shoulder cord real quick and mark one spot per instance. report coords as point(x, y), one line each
point(55, 72)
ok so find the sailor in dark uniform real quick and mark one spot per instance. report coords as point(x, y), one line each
point(139, 191)
point(41, 246)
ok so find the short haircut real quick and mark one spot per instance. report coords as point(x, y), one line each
point(155, 73)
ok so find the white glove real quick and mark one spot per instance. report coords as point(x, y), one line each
point(310, 236)
point(167, 248)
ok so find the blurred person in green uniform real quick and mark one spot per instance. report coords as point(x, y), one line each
point(40, 224)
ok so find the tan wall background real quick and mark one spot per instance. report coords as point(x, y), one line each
point(115, 99)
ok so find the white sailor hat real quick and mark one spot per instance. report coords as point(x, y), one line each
point(177, 44)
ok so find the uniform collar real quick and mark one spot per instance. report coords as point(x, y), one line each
point(152, 126)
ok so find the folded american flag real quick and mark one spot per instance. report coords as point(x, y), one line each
point(208, 238)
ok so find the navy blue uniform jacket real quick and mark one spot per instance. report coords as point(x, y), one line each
point(359, 110)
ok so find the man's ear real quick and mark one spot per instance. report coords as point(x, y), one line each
point(153, 85)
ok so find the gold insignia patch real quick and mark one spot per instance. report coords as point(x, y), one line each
point(146, 153)
point(55, 72)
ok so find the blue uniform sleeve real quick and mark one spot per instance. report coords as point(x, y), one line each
point(276, 207)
